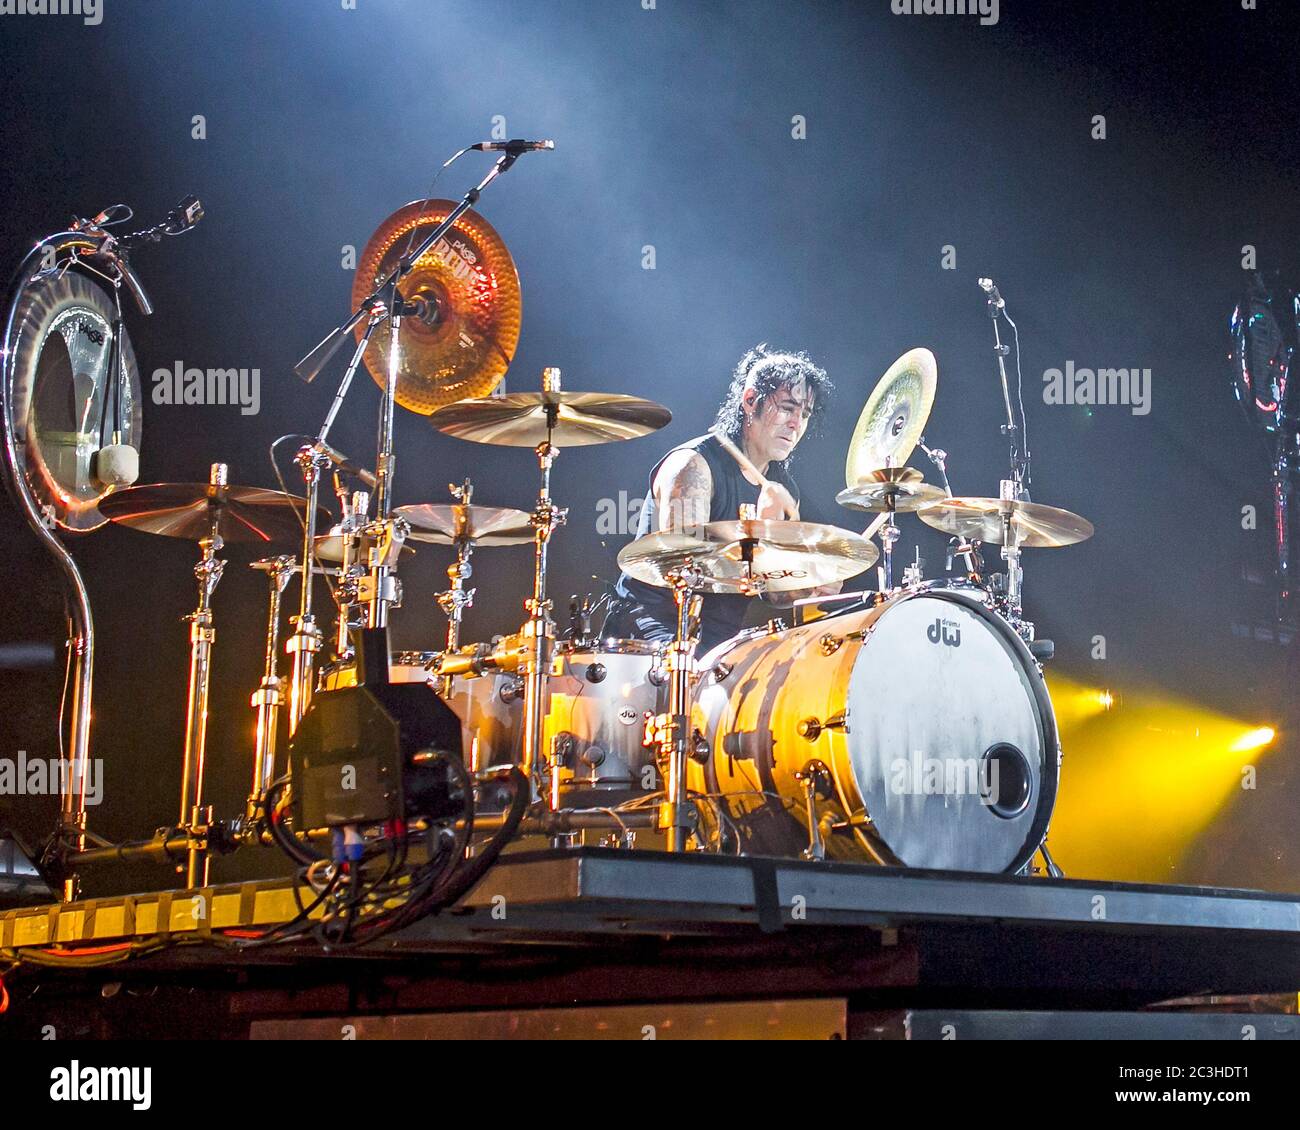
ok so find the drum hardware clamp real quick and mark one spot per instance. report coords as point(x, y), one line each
point(814, 776)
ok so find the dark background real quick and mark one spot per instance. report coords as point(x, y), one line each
point(673, 129)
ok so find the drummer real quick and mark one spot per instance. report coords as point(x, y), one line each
point(773, 398)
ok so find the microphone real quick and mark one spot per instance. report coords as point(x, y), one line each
point(343, 463)
point(986, 285)
point(518, 145)
point(184, 216)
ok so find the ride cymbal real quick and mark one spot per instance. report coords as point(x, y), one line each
point(985, 519)
point(894, 416)
point(467, 288)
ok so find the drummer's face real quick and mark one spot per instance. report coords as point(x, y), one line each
point(775, 429)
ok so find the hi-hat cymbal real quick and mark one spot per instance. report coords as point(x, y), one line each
point(982, 519)
point(468, 290)
point(577, 419)
point(329, 547)
point(900, 489)
point(445, 524)
point(186, 510)
point(894, 416)
point(786, 556)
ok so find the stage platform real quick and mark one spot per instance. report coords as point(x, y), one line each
point(575, 938)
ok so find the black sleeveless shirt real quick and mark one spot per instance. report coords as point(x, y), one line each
point(652, 613)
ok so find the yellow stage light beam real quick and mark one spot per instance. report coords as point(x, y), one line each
point(1141, 782)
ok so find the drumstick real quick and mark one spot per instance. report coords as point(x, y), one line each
point(879, 521)
point(741, 458)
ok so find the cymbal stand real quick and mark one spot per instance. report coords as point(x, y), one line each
point(193, 817)
point(1011, 555)
point(355, 508)
point(889, 534)
point(313, 458)
point(540, 629)
point(673, 731)
point(269, 696)
point(457, 598)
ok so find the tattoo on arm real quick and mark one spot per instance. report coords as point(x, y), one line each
point(683, 492)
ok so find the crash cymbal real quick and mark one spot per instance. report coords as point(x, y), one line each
point(1032, 524)
point(894, 416)
point(579, 418)
point(185, 510)
point(468, 286)
point(786, 556)
point(899, 489)
point(445, 524)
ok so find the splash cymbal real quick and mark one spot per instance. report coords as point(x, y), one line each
point(984, 519)
point(468, 289)
point(900, 489)
point(894, 416)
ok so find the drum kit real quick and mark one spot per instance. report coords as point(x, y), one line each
point(906, 724)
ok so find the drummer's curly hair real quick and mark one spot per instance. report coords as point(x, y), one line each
point(768, 371)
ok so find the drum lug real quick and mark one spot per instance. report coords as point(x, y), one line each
point(811, 728)
point(721, 672)
point(700, 749)
point(830, 644)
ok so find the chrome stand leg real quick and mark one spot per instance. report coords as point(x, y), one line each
point(269, 697)
point(305, 641)
point(674, 730)
point(539, 631)
point(202, 636)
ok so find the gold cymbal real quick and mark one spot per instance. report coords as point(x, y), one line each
point(786, 556)
point(894, 416)
point(578, 419)
point(187, 510)
point(983, 519)
point(900, 489)
point(468, 283)
point(446, 523)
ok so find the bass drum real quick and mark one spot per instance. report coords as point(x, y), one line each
point(929, 715)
